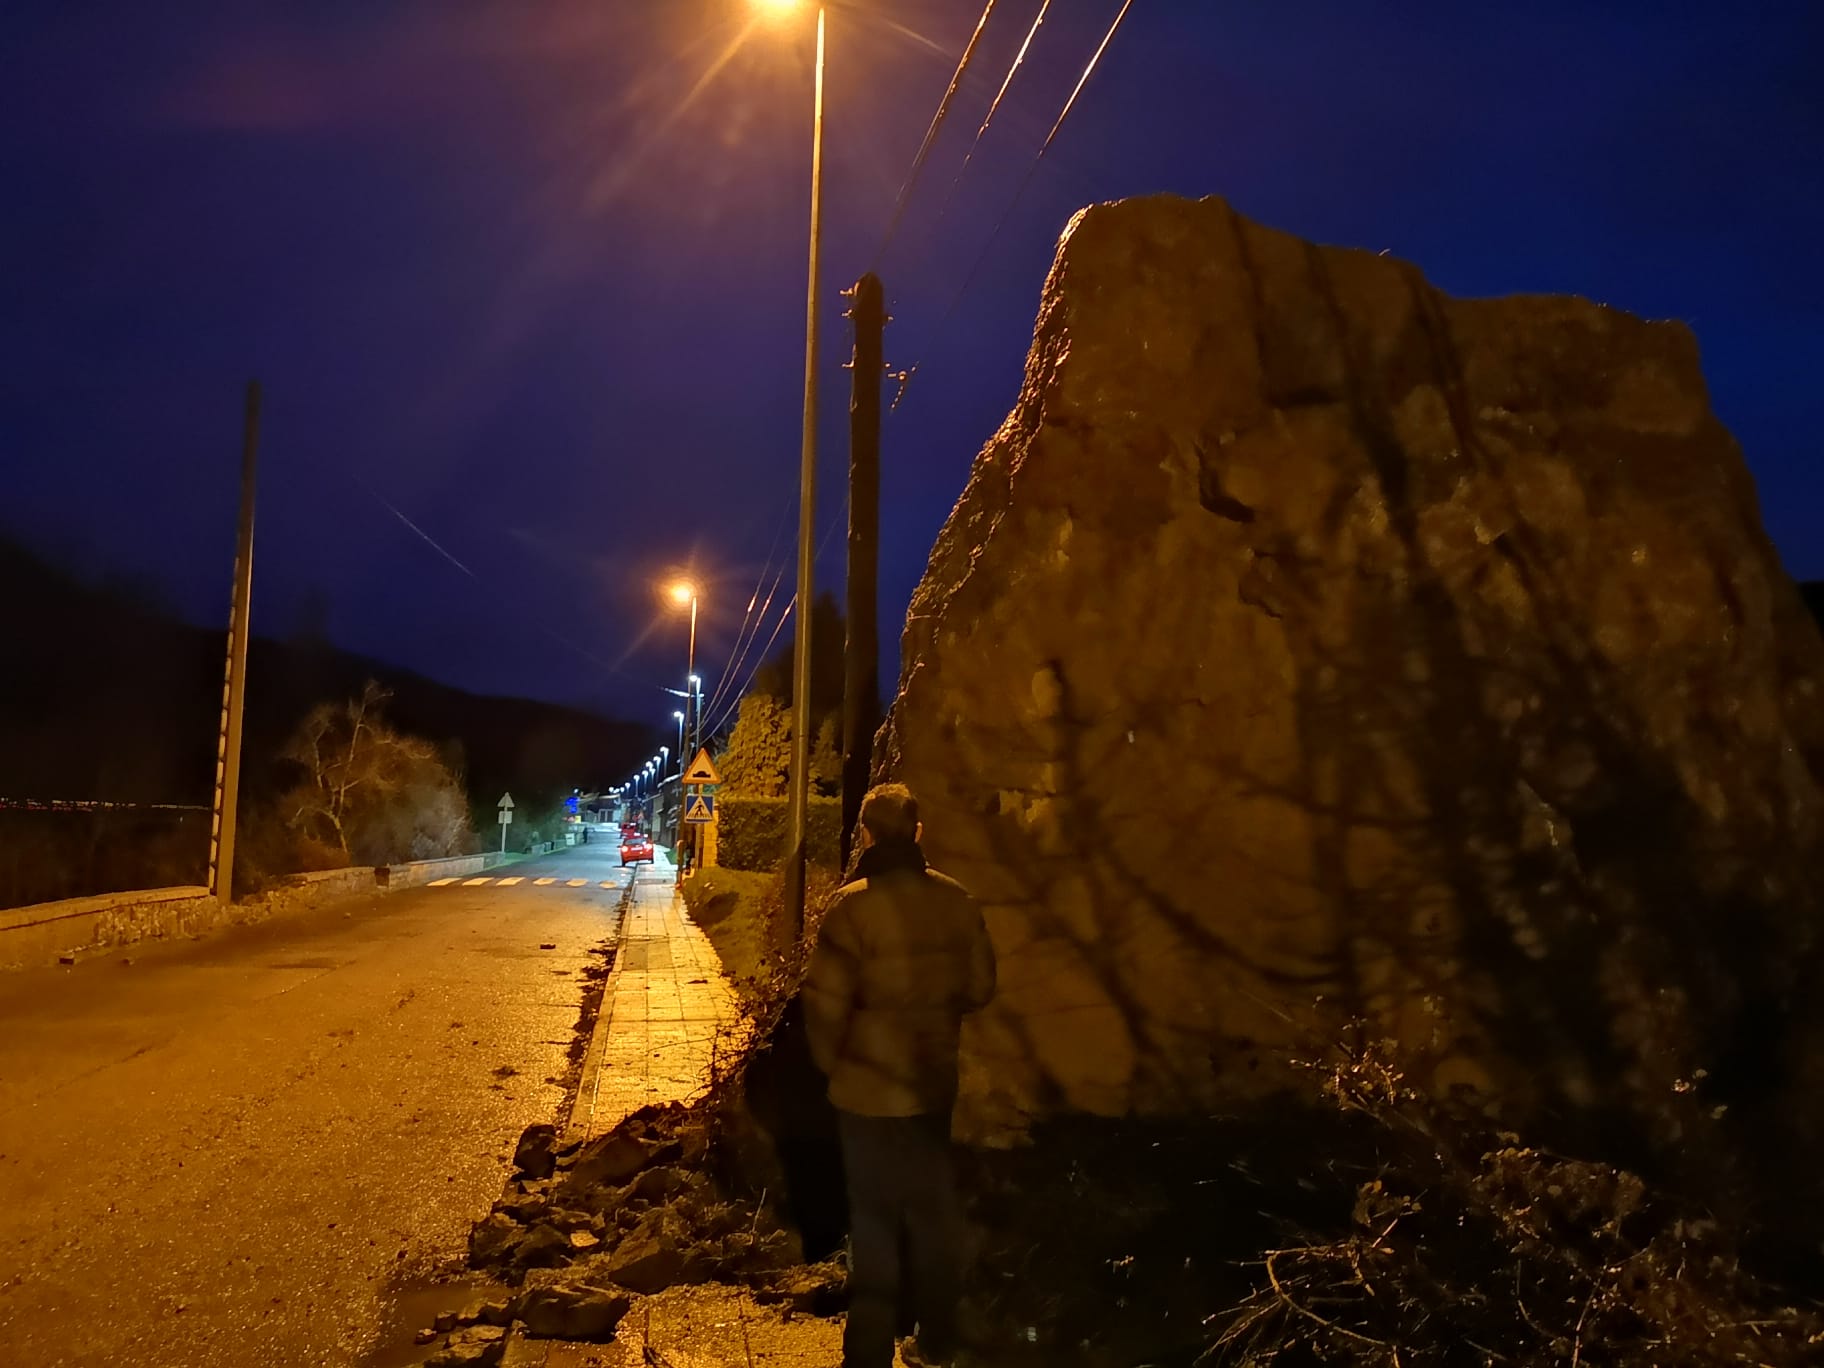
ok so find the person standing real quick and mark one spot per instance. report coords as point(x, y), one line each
point(901, 957)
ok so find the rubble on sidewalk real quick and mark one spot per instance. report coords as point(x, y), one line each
point(483, 1345)
point(570, 1305)
point(581, 1228)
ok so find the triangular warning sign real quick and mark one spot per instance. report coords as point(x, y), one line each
point(698, 810)
point(701, 771)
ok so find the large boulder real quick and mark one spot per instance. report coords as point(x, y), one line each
point(1310, 648)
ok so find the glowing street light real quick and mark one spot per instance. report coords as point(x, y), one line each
point(682, 593)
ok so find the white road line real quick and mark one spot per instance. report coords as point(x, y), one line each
point(476, 883)
point(543, 883)
point(508, 883)
point(607, 883)
point(439, 883)
point(576, 883)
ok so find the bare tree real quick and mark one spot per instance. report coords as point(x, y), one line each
point(370, 792)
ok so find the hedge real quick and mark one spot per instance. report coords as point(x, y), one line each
point(750, 832)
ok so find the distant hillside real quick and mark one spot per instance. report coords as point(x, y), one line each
point(104, 695)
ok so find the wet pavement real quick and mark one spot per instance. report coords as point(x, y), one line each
point(245, 1149)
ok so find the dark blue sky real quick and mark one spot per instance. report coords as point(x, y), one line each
point(496, 272)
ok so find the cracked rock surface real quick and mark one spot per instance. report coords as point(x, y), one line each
point(1309, 645)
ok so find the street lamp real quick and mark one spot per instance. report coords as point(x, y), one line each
point(799, 809)
point(680, 717)
point(682, 593)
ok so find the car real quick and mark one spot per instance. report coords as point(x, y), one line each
point(635, 848)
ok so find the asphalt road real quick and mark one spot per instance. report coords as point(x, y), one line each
point(243, 1150)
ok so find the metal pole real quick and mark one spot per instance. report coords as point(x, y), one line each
point(861, 652)
point(799, 809)
point(691, 692)
point(234, 676)
point(687, 753)
point(503, 833)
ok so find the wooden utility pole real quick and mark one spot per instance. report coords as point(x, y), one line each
point(234, 675)
point(861, 654)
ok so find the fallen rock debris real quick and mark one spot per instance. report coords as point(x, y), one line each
point(476, 1344)
point(582, 1228)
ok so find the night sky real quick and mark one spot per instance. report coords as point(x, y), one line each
point(496, 271)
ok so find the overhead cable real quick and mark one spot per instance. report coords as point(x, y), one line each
point(1019, 59)
point(748, 619)
point(937, 123)
point(733, 702)
point(1031, 171)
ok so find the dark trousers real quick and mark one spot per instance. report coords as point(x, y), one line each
point(902, 1186)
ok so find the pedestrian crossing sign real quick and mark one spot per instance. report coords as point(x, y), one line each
point(702, 771)
point(699, 808)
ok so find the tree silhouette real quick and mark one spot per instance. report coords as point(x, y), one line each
point(828, 633)
point(759, 753)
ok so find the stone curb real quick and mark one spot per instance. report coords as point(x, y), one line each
point(588, 1086)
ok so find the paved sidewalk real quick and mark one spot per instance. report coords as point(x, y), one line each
point(666, 1011)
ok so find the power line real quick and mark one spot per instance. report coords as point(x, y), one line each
point(1019, 59)
point(738, 658)
point(734, 700)
point(747, 617)
point(1031, 171)
point(937, 123)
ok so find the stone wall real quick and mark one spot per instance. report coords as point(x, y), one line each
point(43, 932)
point(423, 871)
point(1311, 648)
point(46, 932)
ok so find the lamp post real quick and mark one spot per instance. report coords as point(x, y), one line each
point(680, 717)
point(684, 592)
point(798, 811)
point(695, 707)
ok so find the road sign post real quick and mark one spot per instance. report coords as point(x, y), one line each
point(505, 806)
point(696, 807)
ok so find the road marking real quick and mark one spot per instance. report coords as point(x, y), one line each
point(576, 883)
point(476, 883)
point(607, 883)
point(543, 883)
point(508, 883)
point(439, 883)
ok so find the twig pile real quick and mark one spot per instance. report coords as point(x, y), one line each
point(1471, 1248)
